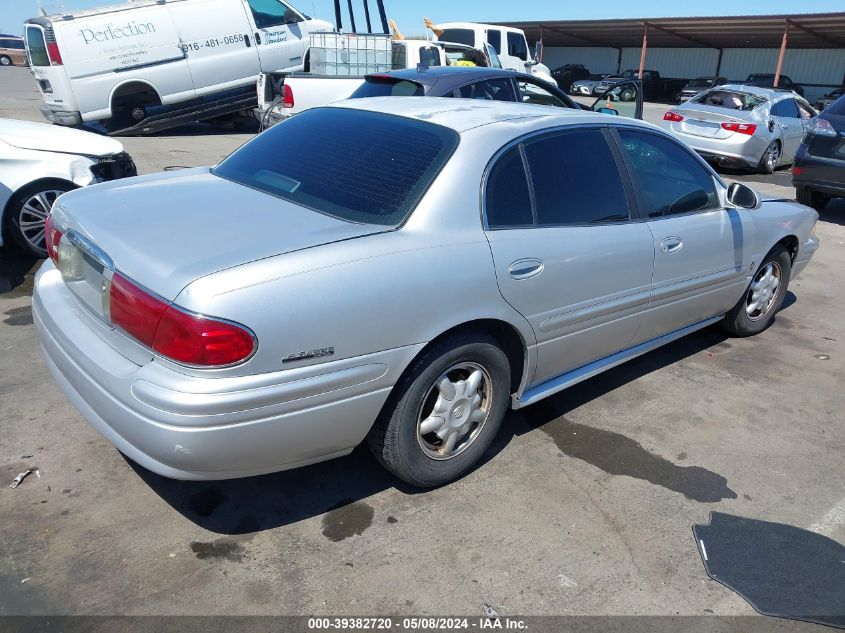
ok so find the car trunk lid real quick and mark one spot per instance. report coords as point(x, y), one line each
point(186, 225)
point(703, 120)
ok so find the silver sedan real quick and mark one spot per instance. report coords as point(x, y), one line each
point(338, 279)
point(742, 126)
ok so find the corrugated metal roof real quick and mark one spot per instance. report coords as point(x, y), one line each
point(806, 30)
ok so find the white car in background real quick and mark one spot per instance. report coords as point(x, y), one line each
point(40, 162)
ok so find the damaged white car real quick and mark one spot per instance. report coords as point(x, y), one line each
point(40, 162)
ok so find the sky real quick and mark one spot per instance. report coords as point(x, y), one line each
point(409, 15)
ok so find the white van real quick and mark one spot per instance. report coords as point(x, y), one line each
point(116, 62)
point(509, 43)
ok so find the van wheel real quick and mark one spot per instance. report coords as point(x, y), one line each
point(5, 60)
point(28, 210)
point(444, 412)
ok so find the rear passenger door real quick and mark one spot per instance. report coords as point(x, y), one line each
point(568, 255)
point(788, 118)
point(702, 249)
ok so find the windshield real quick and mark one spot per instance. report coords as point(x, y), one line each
point(701, 82)
point(760, 79)
point(731, 99)
point(354, 165)
point(375, 86)
point(458, 36)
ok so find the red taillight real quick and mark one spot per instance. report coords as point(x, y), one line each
point(54, 54)
point(797, 171)
point(135, 310)
point(52, 236)
point(195, 340)
point(673, 116)
point(173, 333)
point(742, 128)
point(287, 99)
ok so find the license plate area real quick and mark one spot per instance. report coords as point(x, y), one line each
point(87, 272)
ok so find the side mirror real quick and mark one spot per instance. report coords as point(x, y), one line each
point(743, 196)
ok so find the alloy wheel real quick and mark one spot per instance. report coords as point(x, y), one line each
point(772, 156)
point(763, 291)
point(454, 411)
point(33, 214)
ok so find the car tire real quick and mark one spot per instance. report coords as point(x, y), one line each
point(761, 301)
point(28, 209)
point(5, 60)
point(812, 198)
point(770, 159)
point(474, 395)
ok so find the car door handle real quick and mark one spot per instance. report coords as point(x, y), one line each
point(671, 244)
point(784, 126)
point(525, 268)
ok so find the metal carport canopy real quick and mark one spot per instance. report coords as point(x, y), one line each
point(806, 30)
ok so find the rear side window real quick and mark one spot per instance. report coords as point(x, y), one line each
point(358, 166)
point(387, 87)
point(786, 108)
point(731, 99)
point(494, 38)
point(489, 89)
point(507, 200)
point(575, 179)
point(669, 181)
point(13, 44)
point(458, 36)
point(517, 46)
point(37, 47)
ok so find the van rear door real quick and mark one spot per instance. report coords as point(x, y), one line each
point(50, 74)
point(217, 39)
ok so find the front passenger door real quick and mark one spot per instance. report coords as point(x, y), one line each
point(567, 254)
point(702, 249)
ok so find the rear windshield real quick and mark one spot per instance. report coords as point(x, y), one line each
point(458, 36)
point(387, 87)
point(730, 99)
point(37, 47)
point(358, 166)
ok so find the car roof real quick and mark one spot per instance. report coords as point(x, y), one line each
point(462, 115)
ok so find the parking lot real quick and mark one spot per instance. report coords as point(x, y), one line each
point(584, 505)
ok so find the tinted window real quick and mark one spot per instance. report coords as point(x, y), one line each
point(354, 165)
point(575, 179)
point(386, 87)
point(530, 92)
point(508, 202)
point(731, 99)
point(668, 179)
point(269, 13)
point(458, 36)
point(37, 48)
point(787, 108)
point(494, 38)
point(517, 46)
point(429, 56)
point(490, 90)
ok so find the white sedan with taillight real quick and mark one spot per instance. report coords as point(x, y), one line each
point(742, 126)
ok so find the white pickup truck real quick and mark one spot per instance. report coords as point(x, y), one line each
point(281, 95)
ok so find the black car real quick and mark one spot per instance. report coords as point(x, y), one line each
point(568, 73)
point(699, 84)
point(818, 172)
point(767, 80)
point(822, 102)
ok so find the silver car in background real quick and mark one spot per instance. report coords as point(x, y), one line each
point(742, 126)
point(339, 279)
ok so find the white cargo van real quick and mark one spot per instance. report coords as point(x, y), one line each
point(509, 43)
point(115, 63)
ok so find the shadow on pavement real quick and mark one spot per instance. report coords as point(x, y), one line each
point(17, 271)
point(241, 506)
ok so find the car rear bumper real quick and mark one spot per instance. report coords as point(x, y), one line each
point(820, 174)
point(738, 150)
point(188, 427)
point(61, 117)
